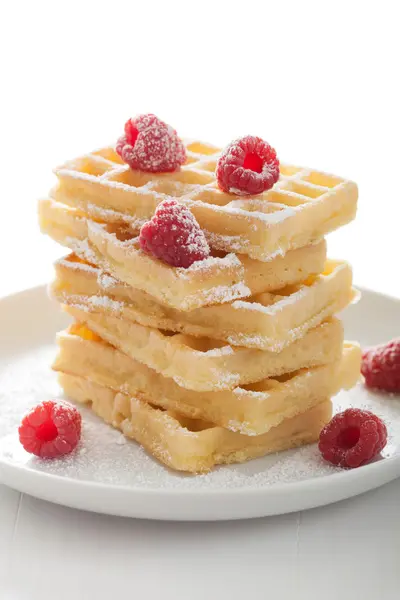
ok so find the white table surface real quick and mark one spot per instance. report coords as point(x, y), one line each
point(320, 82)
point(331, 552)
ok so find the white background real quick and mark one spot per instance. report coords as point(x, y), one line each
point(319, 81)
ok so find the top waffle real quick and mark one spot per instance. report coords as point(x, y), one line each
point(301, 208)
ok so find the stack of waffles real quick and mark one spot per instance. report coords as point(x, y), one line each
point(230, 359)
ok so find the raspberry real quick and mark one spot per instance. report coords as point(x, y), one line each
point(151, 145)
point(247, 166)
point(174, 235)
point(381, 366)
point(51, 429)
point(352, 438)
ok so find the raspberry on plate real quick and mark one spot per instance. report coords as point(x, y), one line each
point(174, 236)
point(381, 366)
point(352, 438)
point(247, 166)
point(51, 429)
point(151, 145)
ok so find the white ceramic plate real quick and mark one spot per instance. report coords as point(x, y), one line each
point(110, 475)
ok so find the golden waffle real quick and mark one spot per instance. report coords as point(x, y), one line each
point(268, 321)
point(202, 364)
point(214, 280)
point(116, 249)
point(190, 444)
point(301, 208)
point(251, 410)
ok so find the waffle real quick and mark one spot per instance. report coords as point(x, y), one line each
point(217, 279)
point(301, 208)
point(202, 364)
point(115, 249)
point(186, 444)
point(252, 410)
point(268, 321)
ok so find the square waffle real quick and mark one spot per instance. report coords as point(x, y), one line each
point(116, 249)
point(187, 444)
point(203, 364)
point(217, 279)
point(301, 208)
point(237, 355)
point(250, 410)
point(268, 321)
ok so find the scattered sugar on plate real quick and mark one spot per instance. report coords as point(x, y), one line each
point(105, 456)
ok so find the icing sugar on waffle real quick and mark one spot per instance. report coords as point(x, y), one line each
point(302, 207)
point(105, 302)
point(115, 250)
point(266, 321)
point(105, 457)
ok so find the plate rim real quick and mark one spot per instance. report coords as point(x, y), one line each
point(255, 490)
point(388, 468)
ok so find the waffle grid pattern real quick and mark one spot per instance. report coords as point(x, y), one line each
point(105, 188)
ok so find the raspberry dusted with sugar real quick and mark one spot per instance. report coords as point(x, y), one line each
point(151, 145)
point(51, 429)
point(247, 166)
point(352, 438)
point(381, 367)
point(174, 236)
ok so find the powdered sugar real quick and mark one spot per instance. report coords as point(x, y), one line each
point(105, 456)
point(106, 281)
point(239, 243)
point(255, 341)
point(223, 351)
point(109, 215)
point(234, 243)
point(220, 294)
point(208, 263)
point(151, 145)
point(106, 303)
point(174, 236)
point(82, 249)
point(224, 380)
point(243, 305)
point(77, 266)
point(270, 218)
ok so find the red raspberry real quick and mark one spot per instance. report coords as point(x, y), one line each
point(151, 145)
point(174, 235)
point(51, 429)
point(381, 366)
point(352, 438)
point(247, 166)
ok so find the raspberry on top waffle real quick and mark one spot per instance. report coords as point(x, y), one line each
point(302, 207)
